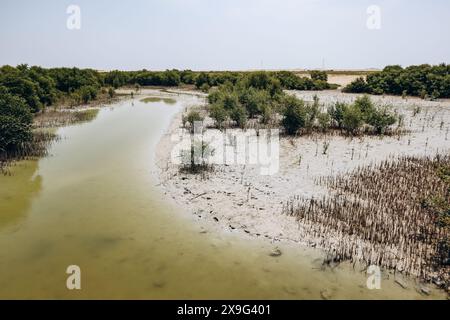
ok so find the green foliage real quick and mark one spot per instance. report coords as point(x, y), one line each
point(291, 81)
point(444, 175)
point(230, 101)
point(263, 81)
point(252, 97)
point(362, 111)
point(378, 118)
point(116, 79)
point(254, 100)
point(439, 206)
point(273, 82)
point(193, 117)
point(295, 115)
point(215, 95)
point(321, 85)
point(72, 79)
point(337, 113)
point(381, 119)
point(319, 75)
point(87, 93)
point(187, 77)
point(202, 78)
point(13, 133)
point(205, 87)
point(366, 106)
point(85, 115)
point(324, 120)
point(15, 121)
point(172, 78)
point(218, 113)
point(19, 83)
point(111, 93)
point(168, 78)
point(312, 111)
point(267, 114)
point(41, 87)
point(423, 80)
point(239, 115)
point(358, 86)
point(352, 119)
point(11, 105)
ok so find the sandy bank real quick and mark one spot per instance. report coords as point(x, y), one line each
point(240, 198)
point(237, 198)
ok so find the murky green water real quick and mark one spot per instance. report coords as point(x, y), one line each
point(94, 202)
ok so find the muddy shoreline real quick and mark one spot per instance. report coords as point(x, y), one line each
point(238, 199)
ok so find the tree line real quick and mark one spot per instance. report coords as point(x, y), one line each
point(423, 81)
point(206, 80)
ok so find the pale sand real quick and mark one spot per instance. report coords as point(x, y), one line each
point(240, 199)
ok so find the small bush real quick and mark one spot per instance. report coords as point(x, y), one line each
point(352, 119)
point(254, 101)
point(205, 87)
point(219, 114)
point(324, 120)
point(111, 93)
point(380, 120)
point(193, 117)
point(294, 115)
point(337, 113)
point(267, 114)
point(366, 106)
point(319, 75)
point(358, 86)
point(239, 115)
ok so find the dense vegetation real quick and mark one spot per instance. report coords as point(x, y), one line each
point(258, 99)
point(424, 81)
point(256, 95)
point(41, 87)
point(16, 137)
point(15, 120)
point(25, 91)
point(207, 80)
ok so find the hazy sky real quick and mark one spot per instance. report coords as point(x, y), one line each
point(224, 34)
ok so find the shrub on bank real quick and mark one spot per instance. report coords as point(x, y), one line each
point(15, 121)
point(294, 115)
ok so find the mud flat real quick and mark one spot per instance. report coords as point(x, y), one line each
point(237, 198)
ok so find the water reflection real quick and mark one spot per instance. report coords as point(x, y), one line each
point(168, 101)
point(17, 190)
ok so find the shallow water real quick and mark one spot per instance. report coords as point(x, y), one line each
point(95, 202)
